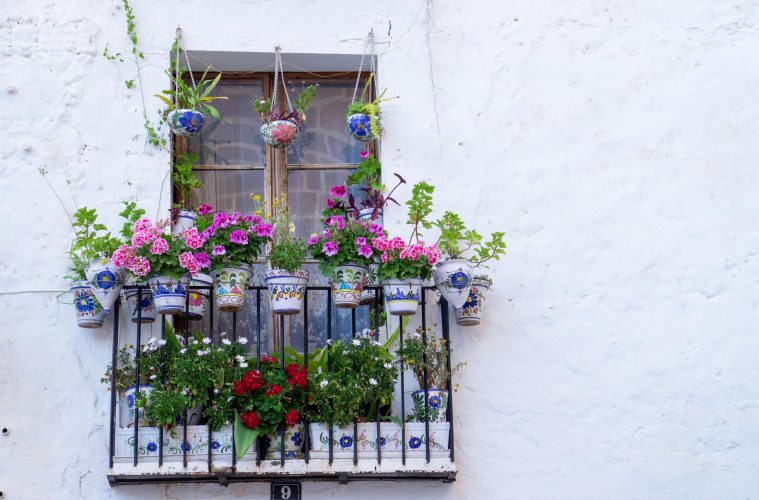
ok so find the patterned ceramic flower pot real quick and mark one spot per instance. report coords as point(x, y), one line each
point(368, 296)
point(366, 214)
point(454, 279)
point(131, 297)
point(402, 296)
point(169, 294)
point(347, 284)
point(416, 436)
point(342, 437)
point(437, 404)
point(198, 298)
point(231, 284)
point(106, 280)
point(279, 133)
point(286, 290)
point(89, 312)
point(126, 405)
point(185, 122)
point(360, 127)
point(294, 439)
point(185, 220)
point(193, 415)
point(469, 313)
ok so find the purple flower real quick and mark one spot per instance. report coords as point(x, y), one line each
point(219, 250)
point(338, 191)
point(313, 240)
point(202, 259)
point(326, 234)
point(204, 209)
point(376, 229)
point(220, 219)
point(364, 251)
point(248, 218)
point(236, 217)
point(256, 219)
point(360, 241)
point(337, 220)
point(239, 236)
point(331, 248)
point(264, 230)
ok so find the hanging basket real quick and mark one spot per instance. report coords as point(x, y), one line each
point(186, 122)
point(280, 133)
point(360, 123)
point(360, 127)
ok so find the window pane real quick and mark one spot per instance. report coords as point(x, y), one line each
point(324, 137)
point(229, 189)
point(235, 140)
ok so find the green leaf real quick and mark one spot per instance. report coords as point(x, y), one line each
point(244, 437)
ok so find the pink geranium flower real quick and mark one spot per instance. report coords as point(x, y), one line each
point(219, 250)
point(239, 236)
point(338, 191)
point(384, 257)
point(204, 209)
point(313, 240)
point(365, 251)
point(139, 266)
point(142, 237)
point(264, 230)
point(330, 203)
point(330, 248)
point(364, 154)
point(159, 247)
point(187, 260)
point(122, 256)
point(360, 241)
point(202, 259)
point(193, 238)
point(142, 225)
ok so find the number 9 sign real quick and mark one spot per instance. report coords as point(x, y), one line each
point(285, 491)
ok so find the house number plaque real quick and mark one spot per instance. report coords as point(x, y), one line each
point(285, 491)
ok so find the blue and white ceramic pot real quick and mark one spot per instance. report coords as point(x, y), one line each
point(132, 296)
point(295, 436)
point(185, 220)
point(169, 294)
point(437, 405)
point(286, 290)
point(402, 296)
point(199, 297)
point(453, 278)
point(360, 127)
point(186, 122)
point(279, 133)
point(368, 296)
point(366, 214)
point(417, 437)
point(347, 284)
point(230, 284)
point(342, 437)
point(127, 405)
point(106, 281)
point(469, 314)
point(89, 312)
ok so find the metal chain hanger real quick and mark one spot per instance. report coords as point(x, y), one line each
point(177, 70)
point(372, 69)
point(279, 70)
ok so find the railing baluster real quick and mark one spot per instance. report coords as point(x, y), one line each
point(259, 441)
point(163, 382)
point(211, 334)
point(376, 337)
point(282, 363)
point(137, 386)
point(425, 380)
point(329, 363)
point(114, 367)
point(444, 319)
point(306, 434)
point(403, 397)
point(184, 412)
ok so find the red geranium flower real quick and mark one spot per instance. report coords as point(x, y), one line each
point(275, 389)
point(250, 419)
point(253, 380)
point(241, 387)
point(292, 417)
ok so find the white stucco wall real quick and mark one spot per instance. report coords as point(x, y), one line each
point(614, 141)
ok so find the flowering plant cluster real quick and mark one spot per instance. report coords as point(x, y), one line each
point(361, 381)
point(422, 351)
point(401, 261)
point(286, 252)
point(231, 239)
point(265, 107)
point(126, 367)
point(344, 241)
point(156, 251)
point(267, 398)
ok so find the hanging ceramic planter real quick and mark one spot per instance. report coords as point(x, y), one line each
point(437, 404)
point(185, 220)
point(186, 122)
point(89, 312)
point(469, 314)
point(368, 295)
point(132, 296)
point(230, 284)
point(360, 127)
point(198, 298)
point(286, 290)
point(453, 278)
point(363, 116)
point(169, 294)
point(347, 284)
point(402, 296)
point(106, 281)
point(279, 133)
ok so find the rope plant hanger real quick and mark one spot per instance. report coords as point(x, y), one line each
point(364, 116)
point(188, 103)
point(280, 129)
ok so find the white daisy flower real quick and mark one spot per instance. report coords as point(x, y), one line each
point(319, 370)
point(183, 350)
point(216, 391)
point(207, 340)
point(243, 365)
point(223, 334)
point(153, 377)
point(226, 341)
point(240, 358)
point(324, 383)
point(242, 340)
point(356, 342)
point(373, 381)
point(388, 365)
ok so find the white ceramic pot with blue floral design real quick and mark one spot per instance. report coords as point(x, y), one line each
point(89, 312)
point(342, 437)
point(286, 290)
point(127, 403)
point(437, 405)
point(469, 314)
point(367, 213)
point(360, 127)
point(198, 297)
point(185, 219)
point(295, 436)
point(169, 294)
point(132, 296)
point(402, 296)
point(279, 133)
point(347, 284)
point(368, 295)
point(453, 278)
point(106, 280)
point(231, 285)
point(185, 122)
point(417, 437)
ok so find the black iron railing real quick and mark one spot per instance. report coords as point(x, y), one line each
point(327, 473)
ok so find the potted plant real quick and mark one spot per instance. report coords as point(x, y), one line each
point(364, 119)
point(286, 279)
point(185, 104)
point(281, 128)
point(167, 260)
point(185, 183)
point(344, 252)
point(144, 311)
point(233, 242)
point(265, 400)
point(402, 270)
point(470, 313)
point(368, 175)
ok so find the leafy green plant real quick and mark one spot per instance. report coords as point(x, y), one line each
point(456, 239)
point(185, 182)
point(126, 366)
point(421, 351)
point(419, 208)
point(286, 252)
point(370, 107)
point(130, 214)
point(187, 96)
point(266, 109)
point(91, 240)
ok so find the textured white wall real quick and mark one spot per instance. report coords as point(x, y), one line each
point(614, 141)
